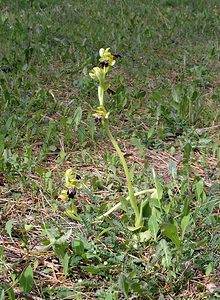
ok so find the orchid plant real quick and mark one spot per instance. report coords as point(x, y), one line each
point(99, 73)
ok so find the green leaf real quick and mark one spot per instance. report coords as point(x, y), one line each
point(172, 169)
point(145, 236)
point(146, 210)
point(28, 227)
point(111, 296)
point(150, 132)
point(77, 116)
point(78, 246)
point(171, 232)
point(82, 135)
point(2, 294)
point(94, 269)
point(200, 191)
point(184, 223)
point(9, 291)
point(123, 284)
point(159, 190)
point(64, 238)
point(26, 280)
point(209, 269)
point(167, 257)
point(187, 152)
point(9, 226)
point(65, 262)
point(186, 207)
point(153, 226)
point(92, 128)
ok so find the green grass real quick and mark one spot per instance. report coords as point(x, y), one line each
point(165, 114)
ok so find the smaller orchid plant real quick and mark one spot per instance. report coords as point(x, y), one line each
point(72, 184)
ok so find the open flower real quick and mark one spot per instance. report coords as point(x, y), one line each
point(98, 73)
point(72, 184)
point(101, 112)
point(106, 56)
point(71, 181)
point(63, 196)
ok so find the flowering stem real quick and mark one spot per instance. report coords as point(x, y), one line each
point(132, 197)
point(101, 95)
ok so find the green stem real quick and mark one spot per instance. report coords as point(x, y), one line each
point(132, 197)
point(101, 95)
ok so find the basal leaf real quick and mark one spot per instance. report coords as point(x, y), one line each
point(65, 262)
point(167, 257)
point(9, 226)
point(26, 280)
point(171, 232)
point(184, 223)
point(123, 284)
point(153, 226)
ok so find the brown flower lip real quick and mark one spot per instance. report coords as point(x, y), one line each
point(103, 64)
point(71, 193)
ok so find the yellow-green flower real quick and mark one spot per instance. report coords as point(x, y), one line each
point(71, 181)
point(101, 112)
point(105, 55)
point(63, 196)
point(98, 73)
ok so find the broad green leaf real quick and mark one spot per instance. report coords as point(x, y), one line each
point(9, 226)
point(187, 152)
point(10, 291)
point(123, 284)
point(65, 262)
point(145, 236)
point(2, 294)
point(186, 207)
point(51, 235)
point(92, 127)
point(1, 252)
point(146, 210)
point(171, 232)
point(64, 238)
point(26, 280)
point(78, 246)
point(200, 191)
point(77, 116)
point(167, 257)
point(199, 188)
point(153, 226)
point(94, 269)
point(184, 223)
point(28, 227)
point(111, 296)
point(172, 168)
point(82, 135)
point(175, 95)
point(209, 269)
point(150, 132)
